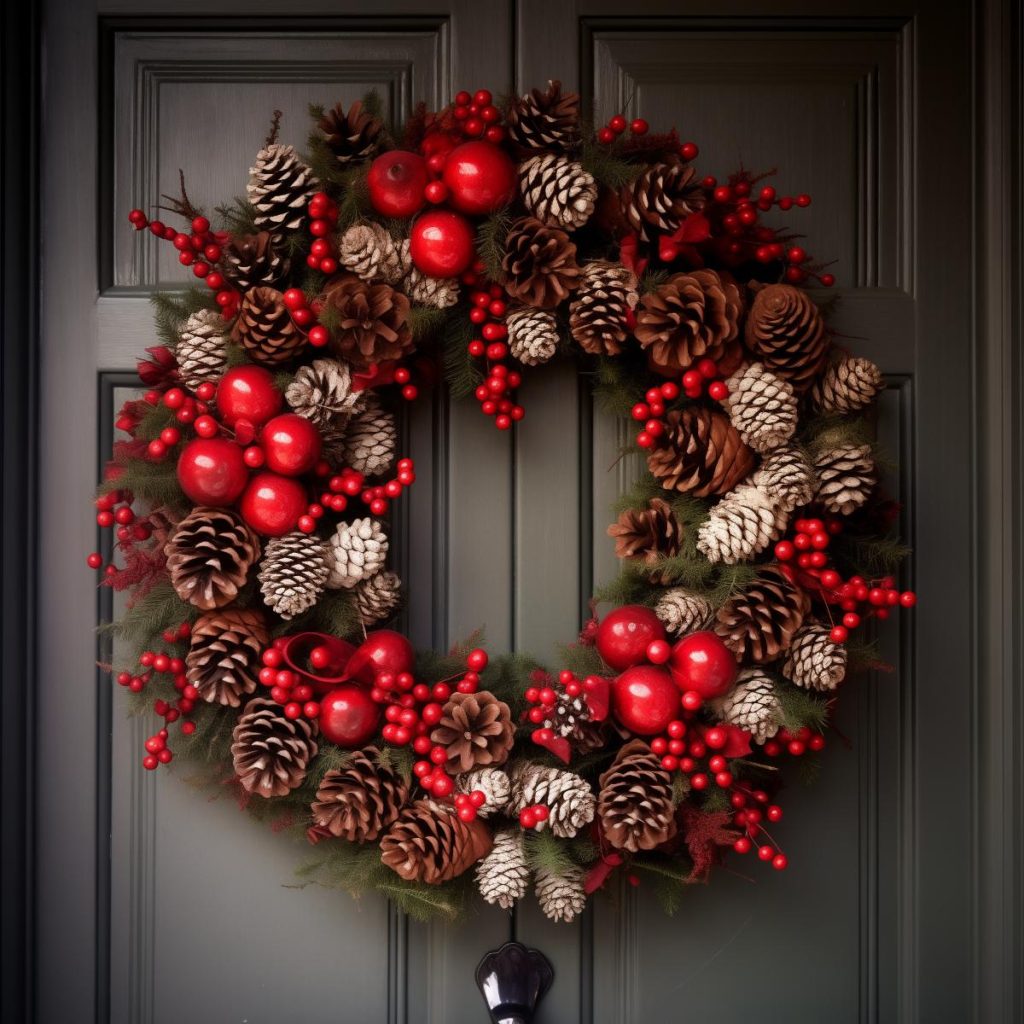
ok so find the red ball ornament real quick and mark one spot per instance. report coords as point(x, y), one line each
point(441, 243)
point(625, 634)
point(396, 182)
point(480, 177)
point(383, 650)
point(701, 663)
point(645, 700)
point(348, 717)
point(291, 444)
point(272, 504)
point(248, 393)
point(211, 471)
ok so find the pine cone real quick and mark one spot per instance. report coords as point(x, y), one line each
point(249, 261)
point(293, 573)
point(571, 719)
point(271, 753)
point(634, 801)
point(740, 526)
point(223, 661)
point(599, 313)
point(351, 136)
point(658, 200)
point(201, 352)
point(495, 785)
point(557, 191)
point(502, 876)
point(532, 335)
point(759, 623)
point(545, 120)
point(322, 392)
point(540, 264)
point(847, 386)
point(787, 477)
point(368, 251)
point(280, 187)
point(265, 328)
point(681, 611)
point(476, 730)
point(371, 439)
point(378, 598)
point(369, 321)
point(358, 551)
point(690, 317)
point(438, 292)
point(359, 800)
point(813, 660)
point(566, 795)
point(762, 407)
point(428, 842)
point(561, 896)
point(846, 477)
point(786, 332)
point(701, 453)
point(752, 705)
point(209, 555)
point(649, 534)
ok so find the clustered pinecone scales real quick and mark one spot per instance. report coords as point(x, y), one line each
point(360, 800)
point(271, 752)
point(428, 842)
point(635, 800)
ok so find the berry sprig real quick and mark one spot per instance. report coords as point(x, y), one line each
point(286, 688)
point(496, 394)
point(534, 816)
point(752, 808)
point(796, 744)
point(618, 124)
point(323, 221)
point(304, 315)
point(705, 377)
point(476, 116)
point(349, 483)
point(187, 410)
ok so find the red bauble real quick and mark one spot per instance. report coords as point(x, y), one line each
point(645, 700)
point(211, 471)
point(272, 504)
point(248, 393)
point(701, 662)
point(396, 182)
point(624, 634)
point(348, 717)
point(383, 650)
point(441, 243)
point(480, 177)
point(291, 444)
point(326, 676)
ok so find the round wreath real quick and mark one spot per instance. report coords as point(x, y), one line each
point(251, 502)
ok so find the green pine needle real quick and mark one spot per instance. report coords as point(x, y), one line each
point(800, 709)
point(490, 243)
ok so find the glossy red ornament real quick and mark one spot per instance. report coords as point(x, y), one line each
point(248, 393)
point(211, 471)
point(625, 633)
point(702, 663)
point(480, 177)
point(383, 650)
point(396, 182)
point(645, 700)
point(272, 504)
point(441, 243)
point(291, 444)
point(333, 655)
point(348, 717)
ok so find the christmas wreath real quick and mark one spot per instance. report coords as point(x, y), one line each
point(251, 502)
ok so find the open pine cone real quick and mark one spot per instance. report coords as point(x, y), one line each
point(265, 329)
point(476, 730)
point(539, 264)
point(249, 261)
point(271, 753)
point(369, 322)
point(648, 534)
point(353, 135)
point(658, 200)
point(358, 801)
point(428, 842)
point(634, 802)
point(599, 312)
point(786, 332)
point(545, 120)
point(759, 623)
point(223, 660)
point(280, 187)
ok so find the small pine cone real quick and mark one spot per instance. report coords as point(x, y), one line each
point(786, 475)
point(660, 198)
point(369, 252)
point(540, 264)
point(813, 660)
point(201, 352)
point(322, 392)
point(352, 135)
point(846, 477)
point(370, 322)
point(566, 795)
point(561, 896)
point(265, 329)
point(682, 611)
point(635, 800)
point(223, 660)
point(599, 313)
point(293, 573)
point(371, 439)
point(786, 332)
point(359, 800)
point(495, 785)
point(358, 551)
point(249, 261)
point(557, 191)
point(503, 876)
point(759, 623)
point(378, 598)
point(762, 407)
point(209, 555)
point(647, 534)
point(847, 385)
point(752, 705)
point(271, 753)
point(548, 120)
point(532, 335)
point(740, 526)
point(475, 730)
point(439, 292)
point(428, 842)
point(280, 187)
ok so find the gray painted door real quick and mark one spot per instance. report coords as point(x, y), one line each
point(156, 905)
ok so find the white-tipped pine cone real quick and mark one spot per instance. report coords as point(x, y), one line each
point(201, 351)
point(439, 292)
point(847, 385)
point(787, 477)
point(369, 252)
point(570, 802)
point(378, 598)
point(322, 392)
point(846, 477)
point(813, 661)
point(503, 876)
point(762, 407)
point(561, 896)
point(371, 439)
point(532, 335)
point(599, 311)
point(495, 785)
point(280, 187)
point(293, 572)
point(740, 526)
point(557, 190)
point(682, 611)
point(752, 705)
point(358, 551)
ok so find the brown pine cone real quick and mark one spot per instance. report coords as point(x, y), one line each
point(691, 317)
point(539, 264)
point(223, 660)
point(209, 556)
point(785, 330)
point(265, 328)
point(428, 842)
point(280, 187)
point(369, 322)
point(846, 477)
point(599, 312)
point(476, 730)
point(658, 200)
point(634, 800)
point(271, 753)
point(545, 120)
point(701, 453)
point(351, 136)
point(648, 534)
point(848, 385)
point(358, 801)
point(759, 623)
point(249, 261)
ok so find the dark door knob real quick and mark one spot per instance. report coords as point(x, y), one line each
point(513, 980)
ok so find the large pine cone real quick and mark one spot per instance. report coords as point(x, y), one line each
point(567, 796)
point(428, 842)
point(358, 801)
point(786, 332)
point(209, 556)
point(539, 264)
point(658, 200)
point(503, 875)
point(368, 322)
point(557, 191)
point(690, 317)
point(762, 407)
point(701, 452)
point(378, 598)
point(788, 477)
point(369, 252)
point(599, 313)
point(545, 120)
point(634, 802)
point(476, 730)
point(201, 352)
point(649, 534)
point(846, 477)
point(271, 753)
point(532, 335)
point(371, 439)
point(265, 328)
point(322, 392)
point(759, 623)
point(351, 136)
point(740, 526)
point(252, 260)
point(223, 660)
point(293, 573)
point(280, 187)
point(813, 660)
point(752, 705)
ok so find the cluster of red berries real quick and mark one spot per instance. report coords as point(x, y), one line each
point(285, 686)
point(704, 376)
point(348, 483)
point(496, 394)
point(323, 219)
point(699, 756)
point(638, 126)
point(304, 314)
point(187, 409)
point(476, 117)
point(749, 816)
point(534, 816)
point(796, 744)
point(467, 805)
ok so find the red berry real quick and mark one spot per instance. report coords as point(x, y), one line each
point(617, 124)
point(605, 136)
point(639, 126)
point(838, 634)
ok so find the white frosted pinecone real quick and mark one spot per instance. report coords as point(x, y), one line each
point(495, 785)
point(846, 477)
point(280, 187)
point(292, 573)
point(847, 385)
point(682, 611)
point(740, 526)
point(322, 392)
point(557, 190)
point(813, 661)
point(567, 796)
point(752, 704)
point(201, 351)
point(378, 598)
point(762, 407)
point(503, 876)
point(371, 439)
point(532, 335)
point(599, 311)
point(561, 896)
point(369, 252)
point(787, 476)
point(358, 551)
point(439, 292)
